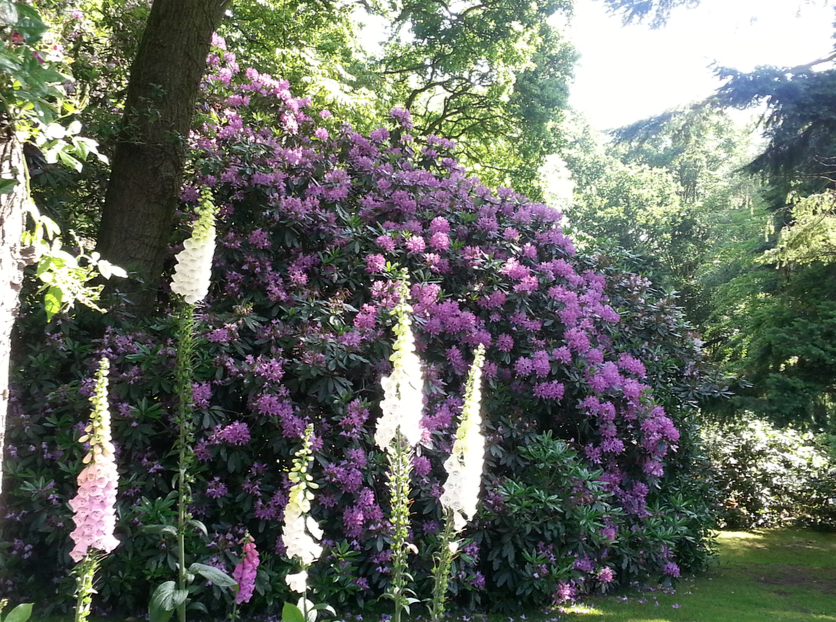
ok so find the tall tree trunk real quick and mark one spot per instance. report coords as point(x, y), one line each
point(148, 160)
point(12, 262)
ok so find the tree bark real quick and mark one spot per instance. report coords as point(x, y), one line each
point(12, 262)
point(148, 159)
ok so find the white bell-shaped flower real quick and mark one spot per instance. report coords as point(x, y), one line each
point(465, 463)
point(403, 390)
point(193, 271)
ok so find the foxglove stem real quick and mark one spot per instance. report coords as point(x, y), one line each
point(443, 564)
point(85, 571)
point(185, 440)
point(400, 463)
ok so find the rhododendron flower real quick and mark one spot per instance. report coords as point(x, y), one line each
point(245, 572)
point(193, 272)
point(375, 263)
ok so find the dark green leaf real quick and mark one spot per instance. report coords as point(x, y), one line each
point(162, 603)
point(167, 530)
point(218, 577)
point(7, 185)
point(200, 526)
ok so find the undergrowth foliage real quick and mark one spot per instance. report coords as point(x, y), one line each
point(589, 376)
point(771, 477)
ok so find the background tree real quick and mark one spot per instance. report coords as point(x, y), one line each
point(492, 76)
point(776, 325)
point(316, 47)
point(657, 11)
point(669, 190)
point(148, 158)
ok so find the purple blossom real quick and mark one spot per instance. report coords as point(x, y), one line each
point(439, 225)
point(540, 363)
point(402, 117)
point(440, 241)
point(386, 242)
point(504, 343)
point(234, 434)
point(549, 390)
point(421, 466)
point(216, 488)
point(201, 394)
point(565, 592)
point(415, 244)
point(375, 263)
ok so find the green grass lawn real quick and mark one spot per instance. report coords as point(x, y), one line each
point(764, 576)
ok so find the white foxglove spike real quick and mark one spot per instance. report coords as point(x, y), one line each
point(403, 389)
point(464, 466)
point(193, 272)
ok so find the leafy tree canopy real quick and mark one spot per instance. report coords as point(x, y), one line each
point(668, 189)
point(490, 75)
point(656, 11)
point(800, 124)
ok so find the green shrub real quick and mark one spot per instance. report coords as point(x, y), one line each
point(769, 476)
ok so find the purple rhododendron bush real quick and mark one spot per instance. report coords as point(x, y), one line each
point(593, 473)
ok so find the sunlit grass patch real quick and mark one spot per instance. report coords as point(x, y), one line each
point(779, 546)
point(763, 576)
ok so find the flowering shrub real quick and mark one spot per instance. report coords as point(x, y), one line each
point(313, 220)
